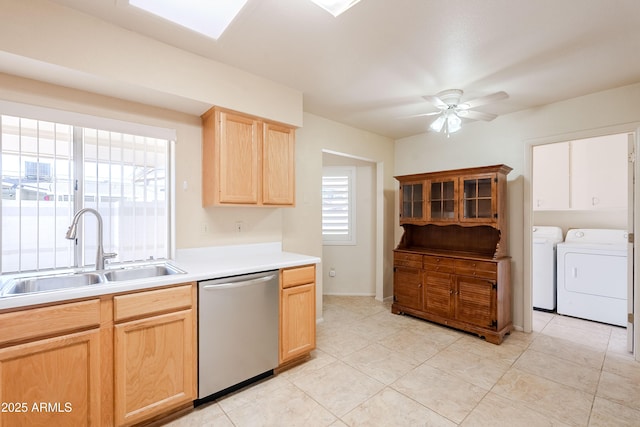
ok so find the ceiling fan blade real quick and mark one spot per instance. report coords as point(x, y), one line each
point(476, 115)
point(494, 97)
point(436, 101)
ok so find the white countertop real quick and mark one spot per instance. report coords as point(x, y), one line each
point(199, 264)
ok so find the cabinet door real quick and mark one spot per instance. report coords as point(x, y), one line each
point(278, 170)
point(239, 159)
point(550, 181)
point(155, 366)
point(478, 202)
point(599, 173)
point(60, 376)
point(475, 301)
point(437, 293)
point(297, 321)
point(443, 206)
point(407, 287)
point(412, 202)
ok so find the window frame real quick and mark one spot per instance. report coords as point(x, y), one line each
point(79, 124)
point(349, 172)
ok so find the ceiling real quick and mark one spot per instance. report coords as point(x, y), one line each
point(370, 67)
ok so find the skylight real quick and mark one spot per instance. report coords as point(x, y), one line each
point(335, 7)
point(208, 17)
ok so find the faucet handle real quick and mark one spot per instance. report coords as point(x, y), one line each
point(109, 255)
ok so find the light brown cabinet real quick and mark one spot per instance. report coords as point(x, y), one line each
point(278, 165)
point(297, 313)
point(246, 161)
point(50, 372)
point(114, 360)
point(452, 267)
point(154, 354)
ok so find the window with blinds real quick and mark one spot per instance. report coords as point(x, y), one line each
point(338, 205)
point(51, 170)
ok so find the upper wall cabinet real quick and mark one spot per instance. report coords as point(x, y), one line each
point(586, 174)
point(551, 177)
point(599, 173)
point(246, 161)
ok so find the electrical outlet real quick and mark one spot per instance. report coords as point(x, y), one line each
point(204, 228)
point(239, 226)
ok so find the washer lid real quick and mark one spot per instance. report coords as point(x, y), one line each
point(544, 233)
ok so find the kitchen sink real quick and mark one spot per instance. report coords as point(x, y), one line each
point(12, 286)
point(141, 272)
point(50, 283)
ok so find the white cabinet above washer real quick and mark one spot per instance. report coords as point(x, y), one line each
point(585, 174)
point(599, 173)
point(551, 177)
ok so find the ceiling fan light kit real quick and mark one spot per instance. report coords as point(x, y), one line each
point(451, 110)
point(447, 121)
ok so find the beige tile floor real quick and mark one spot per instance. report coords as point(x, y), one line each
point(374, 368)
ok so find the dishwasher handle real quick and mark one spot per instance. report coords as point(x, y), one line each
point(229, 285)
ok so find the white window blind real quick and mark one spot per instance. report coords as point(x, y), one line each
point(51, 170)
point(338, 205)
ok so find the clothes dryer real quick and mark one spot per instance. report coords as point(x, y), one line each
point(592, 275)
point(545, 239)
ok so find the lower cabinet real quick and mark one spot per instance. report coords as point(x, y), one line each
point(408, 291)
point(114, 360)
point(465, 293)
point(297, 312)
point(52, 382)
point(50, 366)
point(155, 355)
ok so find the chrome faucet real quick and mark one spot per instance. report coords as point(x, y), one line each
point(71, 234)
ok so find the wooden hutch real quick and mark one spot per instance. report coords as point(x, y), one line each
point(452, 265)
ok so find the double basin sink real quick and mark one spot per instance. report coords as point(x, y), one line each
point(27, 285)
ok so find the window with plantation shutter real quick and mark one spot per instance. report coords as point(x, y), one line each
point(338, 205)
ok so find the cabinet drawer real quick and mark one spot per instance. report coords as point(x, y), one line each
point(487, 270)
point(405, 259)
point(151, 302)
point(44, 321)
point(298, 276)
point(439, 264)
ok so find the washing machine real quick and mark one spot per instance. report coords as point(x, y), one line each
point(543, 253)
point(592, 275)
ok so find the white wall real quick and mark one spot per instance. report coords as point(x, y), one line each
point(615, 218)
point(354, 265)
point(506, 140)
point(260, 224)
point(302, 231)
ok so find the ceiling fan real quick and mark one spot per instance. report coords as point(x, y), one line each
point(452, 111)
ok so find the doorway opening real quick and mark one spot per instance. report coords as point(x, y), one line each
point(351, 231)
point(584, 187)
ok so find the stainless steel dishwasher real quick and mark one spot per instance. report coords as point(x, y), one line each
point(237, 331)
